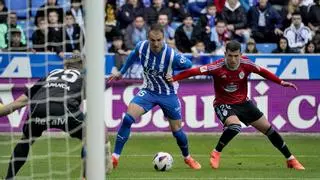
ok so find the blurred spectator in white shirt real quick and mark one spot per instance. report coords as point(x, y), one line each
point(77, 11)
point(297, 34)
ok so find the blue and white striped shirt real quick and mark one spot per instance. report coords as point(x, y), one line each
point(157, 66)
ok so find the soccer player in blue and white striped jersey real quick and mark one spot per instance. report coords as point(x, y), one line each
point(158, 60)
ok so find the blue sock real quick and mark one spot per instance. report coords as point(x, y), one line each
point(182, 142)
point(123, 133)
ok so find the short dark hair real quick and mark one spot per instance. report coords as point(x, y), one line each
point(75, 60)
point(187, 15)
point(41, 19)
point(296, 13)
point(115, 38)
point(138, 16)
point(69, 13)
point(156, 27)
point(210, 4)
point(162, 13)
point(233, 46)
point(13, 12)
point(53, 11)
point(221, 21)
point(75, 1)
point(14, 31)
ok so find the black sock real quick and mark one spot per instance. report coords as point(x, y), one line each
point(18, 158)
point(83, 157)
point(230, 132)
point(278, 142)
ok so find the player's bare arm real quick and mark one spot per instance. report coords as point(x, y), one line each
point(17, 104)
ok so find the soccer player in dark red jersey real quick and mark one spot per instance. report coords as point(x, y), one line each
point(232, 105)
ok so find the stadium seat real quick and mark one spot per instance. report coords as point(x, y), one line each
point(65, 4)
point(31, 28)
point(262, 47)
point(28, 27)
point(266, 47)
point(21, 7)
point(23, 24)
point(35, 4)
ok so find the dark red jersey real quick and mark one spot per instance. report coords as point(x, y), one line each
point(231, 86)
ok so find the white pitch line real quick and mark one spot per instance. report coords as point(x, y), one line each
point(194, 155)
point(185, 178)
point(219, 178)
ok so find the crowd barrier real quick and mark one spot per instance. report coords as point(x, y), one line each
point(287, 110)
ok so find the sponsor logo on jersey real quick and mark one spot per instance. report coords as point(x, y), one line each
point(154, 72)
point(223, 76)
point(231, 88)
point(203, 69)
point(183, 60)
point(241, 75)
point(58, 85)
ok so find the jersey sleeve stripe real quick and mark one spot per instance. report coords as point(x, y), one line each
point(250, 63)
point(140, 49)
point(147, 57)
point(170, 62)
point(212, 67)
point(163, 58)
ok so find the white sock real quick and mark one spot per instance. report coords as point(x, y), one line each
point(291, 157)
point(187, 157)
point(115, 155)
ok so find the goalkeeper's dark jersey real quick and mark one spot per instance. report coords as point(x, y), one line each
point(60, 86)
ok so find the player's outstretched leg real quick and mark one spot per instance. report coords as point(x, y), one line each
point(19, 157)
point(228, 134)
point(182, 142)
point(122, 137)
point(279, 143)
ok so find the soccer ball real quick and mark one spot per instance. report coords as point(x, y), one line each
point(162, 161)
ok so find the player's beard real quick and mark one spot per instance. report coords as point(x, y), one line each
point(232, 68)
point(156, 49)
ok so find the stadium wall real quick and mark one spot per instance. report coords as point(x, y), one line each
point(288, 110)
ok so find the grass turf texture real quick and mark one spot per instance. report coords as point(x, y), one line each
point(246, 157)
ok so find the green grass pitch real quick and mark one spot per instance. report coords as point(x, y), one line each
point(246, 157)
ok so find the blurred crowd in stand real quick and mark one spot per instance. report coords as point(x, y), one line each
point(190, 26)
